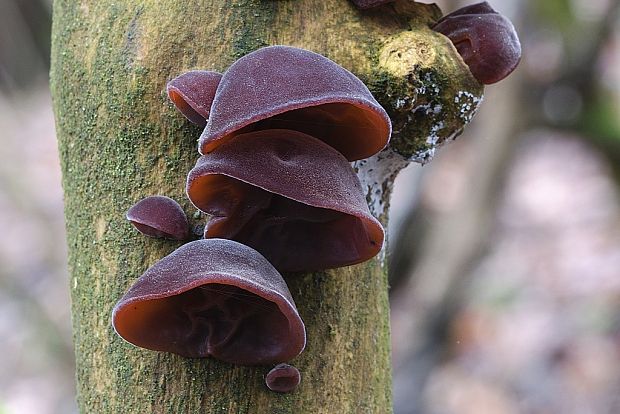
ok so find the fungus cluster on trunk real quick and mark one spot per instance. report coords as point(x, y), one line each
point(281, 126)
point(486, 40)
point(216, 298)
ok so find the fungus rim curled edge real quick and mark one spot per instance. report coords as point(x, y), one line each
point(469, 28)
point(286, 82)
point(192, 94)
point(146, 217)
point(290, 373)
point(158, 289)
point(317, 178)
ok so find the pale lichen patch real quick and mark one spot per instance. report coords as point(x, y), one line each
point(401, 50)
point(468, 105)
point(374, 173)
point(412, 85)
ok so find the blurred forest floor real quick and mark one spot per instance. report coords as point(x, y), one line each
point(505, 250)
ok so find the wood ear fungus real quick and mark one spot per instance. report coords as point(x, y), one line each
point(193, 92)
point(283, 378)
point(159, 216)
point(282, 87)
point(486, 40)
point(289, 196)
point(213, 298)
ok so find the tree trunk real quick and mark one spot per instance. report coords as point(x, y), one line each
point(120, 140)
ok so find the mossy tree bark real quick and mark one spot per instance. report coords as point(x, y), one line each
point(121, 140)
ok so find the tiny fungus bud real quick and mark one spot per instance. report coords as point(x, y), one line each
point(289, 196)
point(282, 87)
point(283, 378)
point(193, 92)
point(213, 298)
point(486, 40)
point(159, 216)
point(367, 4)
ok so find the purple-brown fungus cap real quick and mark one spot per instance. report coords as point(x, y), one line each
point(290, 88)
point(213, 298)
point(289, 196)
point(193, 92)
point(486, 40)
point(283, 378)
point(159, 216)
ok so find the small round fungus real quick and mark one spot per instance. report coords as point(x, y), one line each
point(289, 196)
point(290, 88)
point(283, 378)
point(486, 40)
point(213, 298)
point(159, 216)
point(193, 92)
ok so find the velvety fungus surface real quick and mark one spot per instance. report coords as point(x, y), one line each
point(486, 40)
point(289, 196)
point(283, 378)
point(282, 87)
point(213, 298)
point(159, 216)
point(193, 92)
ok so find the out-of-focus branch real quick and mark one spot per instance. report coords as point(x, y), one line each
point(447, 246)
point(582, 74)
point(455, 238)
point(25, 44)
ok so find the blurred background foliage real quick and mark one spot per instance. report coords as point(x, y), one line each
point(24, 43)
point(504, 251)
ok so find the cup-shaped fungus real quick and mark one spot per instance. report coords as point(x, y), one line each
point(192, 93)
point(290, 88)
point(213, 298)
point(283, 378)
point(288, 195)
point(159, 216)
point(486, 40)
